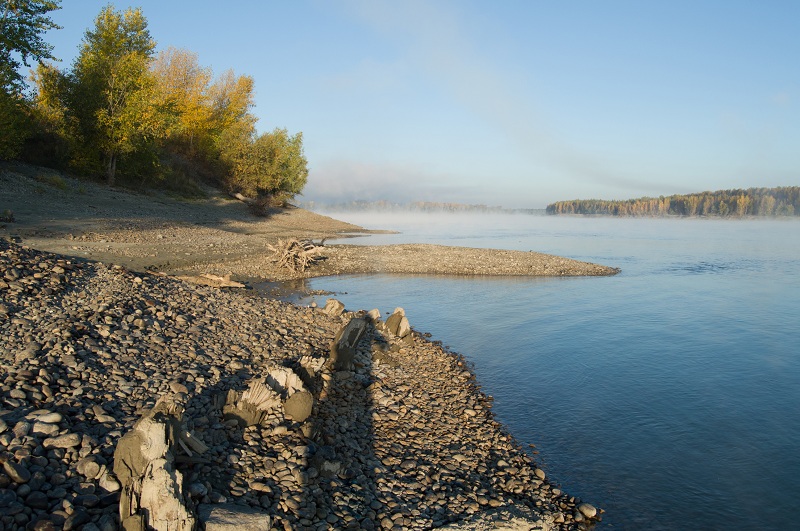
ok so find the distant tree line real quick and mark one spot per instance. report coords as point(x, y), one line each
point(781, 201)
point(415, 206)
point(123, 113)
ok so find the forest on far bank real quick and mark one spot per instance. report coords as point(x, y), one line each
point(125, 114)
point(780, 201)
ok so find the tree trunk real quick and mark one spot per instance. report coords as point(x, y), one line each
point(111, 169)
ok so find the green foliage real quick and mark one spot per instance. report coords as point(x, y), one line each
point(272, 164)
point(162, 121)
point(112, 93)
point(22, 24)
point(781, 201)
point(14, 125)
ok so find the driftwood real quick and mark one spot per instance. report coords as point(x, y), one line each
point(280, 394)
point(343, 347)
point(295, 254)
point(215, 281)
point(152, 489)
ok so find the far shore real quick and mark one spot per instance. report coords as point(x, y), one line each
point(219, 236)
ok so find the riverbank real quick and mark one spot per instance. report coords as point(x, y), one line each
point(406, 440)
point(219, 236)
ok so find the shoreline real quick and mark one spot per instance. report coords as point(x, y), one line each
point(218, 235)
point(96, 344)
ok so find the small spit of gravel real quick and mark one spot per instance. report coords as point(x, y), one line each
point(404, 441)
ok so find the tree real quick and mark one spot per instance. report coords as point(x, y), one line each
point(184, 84)
point(113, 92)
point(272, 164)
point(14, 125)
point(22, 24)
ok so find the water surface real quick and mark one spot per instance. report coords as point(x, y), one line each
point(669, 394)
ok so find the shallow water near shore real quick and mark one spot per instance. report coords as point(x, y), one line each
point(667, 395)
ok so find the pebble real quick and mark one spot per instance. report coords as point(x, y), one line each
point(404, 441)
point(18, 473)
point(68, 440)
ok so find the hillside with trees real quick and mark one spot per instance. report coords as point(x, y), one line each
point(125, 114)
point(781, 201)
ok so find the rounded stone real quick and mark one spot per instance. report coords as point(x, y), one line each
point(589, 511)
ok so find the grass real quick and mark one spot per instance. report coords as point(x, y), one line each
point(53, 180)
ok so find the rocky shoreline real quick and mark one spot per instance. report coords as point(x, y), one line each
point(404, 440)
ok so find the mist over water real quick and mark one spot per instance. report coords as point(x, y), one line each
point(667, 395)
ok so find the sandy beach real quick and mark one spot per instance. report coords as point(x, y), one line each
point(95, 331)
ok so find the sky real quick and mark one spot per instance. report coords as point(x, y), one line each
point(504, 103)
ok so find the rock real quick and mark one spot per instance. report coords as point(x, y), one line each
point(589, 511)
point(49, 418)
point(18, 473)
point(230, 517)
point(178, 387)
point(108, 483)
point(76, 520)
point(69, 440)
point(398, 324)
point(197, 490)
point(333, 308)
point(298, 406)
point(343, 347)
point(251, 406)
point(37, 500)
point(44, 429)
point(88, 467)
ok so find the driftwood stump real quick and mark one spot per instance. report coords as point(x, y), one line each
point(343, 347)
point(295, 254)
point(152, 489)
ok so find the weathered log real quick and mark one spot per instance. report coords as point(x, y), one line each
point(215, 281)
point(343, 347)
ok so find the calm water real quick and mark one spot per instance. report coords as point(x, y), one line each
point(669, 395)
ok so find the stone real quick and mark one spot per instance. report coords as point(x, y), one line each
point(69, 440)
point(298, 406)
point(230, 517)
point(77, 520)
point(17, 472)
point(108, 483)
point(398, 324)
point(37, 500)
point(333, 308)
point(88, 467)
point(51, 417)
point(44, 429)
point(589, 511)
point(178, 387)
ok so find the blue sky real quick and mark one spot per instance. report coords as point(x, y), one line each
point(506, 103)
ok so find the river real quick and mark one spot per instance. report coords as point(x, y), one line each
point(668, 395)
